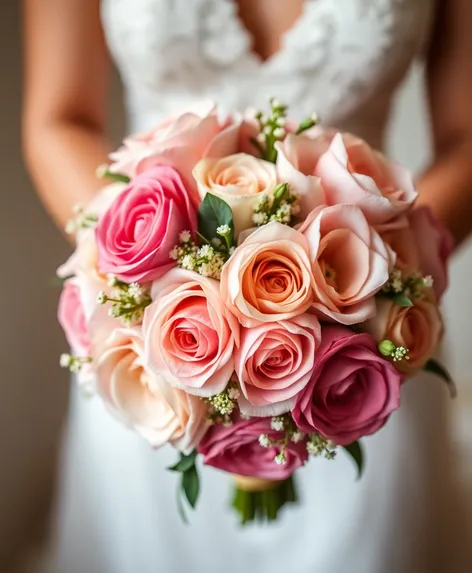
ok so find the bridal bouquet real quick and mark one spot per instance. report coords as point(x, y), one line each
point(252, 291)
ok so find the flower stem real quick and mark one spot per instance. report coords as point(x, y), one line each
point(264, 505)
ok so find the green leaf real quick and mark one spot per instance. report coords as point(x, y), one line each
point(439, 370)
point(191, 485)
point(356, 452)
point(213, 213)
point(117, 177)
point(402, 300)
point(180, 506)
point(185, 463)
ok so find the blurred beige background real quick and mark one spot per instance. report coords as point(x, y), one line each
point(33, 390)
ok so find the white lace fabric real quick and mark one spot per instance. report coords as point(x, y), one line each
point(342, 58)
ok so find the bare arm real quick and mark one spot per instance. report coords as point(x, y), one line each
point(66, 69)
point(447, 185)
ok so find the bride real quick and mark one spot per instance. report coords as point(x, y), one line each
point(344, 60)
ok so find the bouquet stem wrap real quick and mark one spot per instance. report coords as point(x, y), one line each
point(261, 499)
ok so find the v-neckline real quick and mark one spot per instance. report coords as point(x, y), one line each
point(284, 37)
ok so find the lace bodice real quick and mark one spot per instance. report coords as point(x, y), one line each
point(342, 58)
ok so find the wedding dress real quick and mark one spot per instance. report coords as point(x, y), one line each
point(116, 513)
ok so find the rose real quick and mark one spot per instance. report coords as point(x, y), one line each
point(138, 231)
point(189, 334)
point(268, 278)
point(239, 180)
point(297, 156)
point(143, 401)
point(434, 244)
point(236, 449)
point(403, 243)
point(352, 172)
point(274, 362)
point(352, 391)
point(71, 316)
point(179, 141)
point(350, 263)
point(417, 328)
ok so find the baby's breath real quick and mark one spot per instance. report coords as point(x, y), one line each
point(128, 301)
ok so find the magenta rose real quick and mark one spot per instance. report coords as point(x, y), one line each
point(274, 362)
point(71, 316)
point(236, 449)
point(138, 231)
point(353, 389)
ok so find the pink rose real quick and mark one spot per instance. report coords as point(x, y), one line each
point(144, 402)
point(351, 172)
point(179, 141)
point(353, 389)
point(236, 449)
point(417, 328)
point(138, 231)
point(434, 244)
point(71, 316)
point(189, 334)
point(403, 243)
point(239, 180)
point(274, 362)
point(268, 278)
point(350, 263)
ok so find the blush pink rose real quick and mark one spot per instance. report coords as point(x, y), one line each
point(142, 225)
point(71, 316)
point(189, 335)
point(268, 278)
point(353, 389)
point(274, 362)
point(297, 157)
point(418, 328)
point(434, 244)
point(143, 401)
point(179, 141)
point(351, 172)
point(350, 263)
point(236, 449)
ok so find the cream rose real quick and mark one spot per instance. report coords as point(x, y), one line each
point(239, 180)
point(417, 328)
point(350, 263)
point(268, 278)
point(143, 401)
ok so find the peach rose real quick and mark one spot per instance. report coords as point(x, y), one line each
point(143, 401)
point(352, 172)
point(274, 363)
point(239, 180)
point(268, 278)
point(417, 328)
point(189, 335)
point(350, 263)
